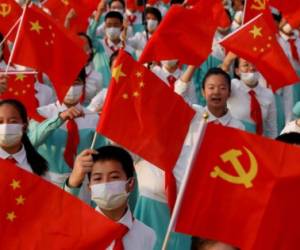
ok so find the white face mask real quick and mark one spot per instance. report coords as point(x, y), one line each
point(109, 195)
point(10, 134)
point(151, 24)
point(74, 93)
point(113, 33)
point(287, 28)
point(250, 78)
point(169, 63)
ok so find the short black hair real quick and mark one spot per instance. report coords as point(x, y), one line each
point(202, 244)
point(114, 14)
point(121, 1)
point(217, 71)
point(107, 153)
point(291, 138)
point(154, 11)
point(176, 2)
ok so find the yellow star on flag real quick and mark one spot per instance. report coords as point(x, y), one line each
point(138, 74)
point(117, 72)
point(135, 94)
point(142, 84)
point(20, 200)
point(35, 26)
point(256, 31)
point(15, 184)
point(20, 77)
point(11, 216)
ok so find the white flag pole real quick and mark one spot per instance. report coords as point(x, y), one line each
point(191, 160)
point(10, 31)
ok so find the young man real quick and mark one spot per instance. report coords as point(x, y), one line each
point(111, 172)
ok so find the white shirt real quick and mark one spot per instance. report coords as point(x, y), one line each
point(110, 47)
point(93, 82)
point(239, 104)
point(20, 157)
point(139, 236)
point(138, 42)
point(191, 139)
point(44, 94)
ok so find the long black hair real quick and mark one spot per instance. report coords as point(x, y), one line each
point(37, 163)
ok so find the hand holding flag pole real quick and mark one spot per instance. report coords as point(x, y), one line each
point(191, 160)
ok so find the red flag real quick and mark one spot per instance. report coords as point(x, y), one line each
point(190, 31)
point(257, 43)
point(144, 115)
point(10, 12)
point(48, 47)
point(38, 215)
point(246, 191)
point(290, 11)
point(21, 87)
point(252, 8)
point(220, 15)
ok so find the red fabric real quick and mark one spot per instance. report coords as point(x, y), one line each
point(72, 142)
point(44, 217)
point(220, 15)
point(119, 241)
point(292, 42)
point(171, 80)
point(261, 48)
point(10, 12)
point(21, 87)
point(290, 11)
point(131, 18)
point(50, 49)
point(11, 159)
point(141, 113)
point(255, 112)
point(132, 5)
point(262, 216)
point(192, 26)
point(253, 8)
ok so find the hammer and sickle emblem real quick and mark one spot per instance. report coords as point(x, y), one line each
point(261, 5)
point(243, 178)
point(65, 2)
point(5, 9)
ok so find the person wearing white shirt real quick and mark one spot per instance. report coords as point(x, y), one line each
point(252, 103)
point(111, 174)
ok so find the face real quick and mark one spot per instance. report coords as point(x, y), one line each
point(109, 171)
point(244, 67)
point(9, 115)
point(117, 6)
point(113, 23)
point(216, 92)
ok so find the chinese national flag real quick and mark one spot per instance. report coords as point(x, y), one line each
point(10, 12)
point(144, 115)
point(260, 47)
point(21, 87)
point(190, 31)
point(35, 214)
point(247, 188)
point(290, 11)
point(253, 8)
point(48, 47)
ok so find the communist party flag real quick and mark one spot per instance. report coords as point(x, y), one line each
point(246, 191)
point(257, 43)
point(21, 86)
point(48, 47)
point(144, 115)
point(252, 8)
point(290, 11)
point(10, 12)
point(190, 31)
point(35, 214)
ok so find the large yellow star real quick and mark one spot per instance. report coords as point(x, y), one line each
point(35, 26)
point(11, 216)
point(20, 200)
point(117, 72)
point(20, 77)
point(15, 184)
point(256, 31)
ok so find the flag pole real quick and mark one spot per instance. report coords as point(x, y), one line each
point(10, 31)
point(94, 140)
point(17, 36)
point(191, 160)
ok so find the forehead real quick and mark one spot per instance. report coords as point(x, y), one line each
point(107, 166)
point(243, 62)
point(217, 79)
point(151, 16)
point(113, 20)
point(7, 110)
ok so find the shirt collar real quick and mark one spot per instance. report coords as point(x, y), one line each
point(224, 120)
point(20, 156)
point(176, 73)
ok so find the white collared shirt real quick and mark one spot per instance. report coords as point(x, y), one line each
point(139, 236)
point(20, 157)
point(239, 104)
point(108, 45)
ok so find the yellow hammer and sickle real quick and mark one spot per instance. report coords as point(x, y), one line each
point(5, 9)
point(244, 178)
point(65, 2)
point(261, 5)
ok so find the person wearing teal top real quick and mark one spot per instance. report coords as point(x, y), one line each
point(53, 148)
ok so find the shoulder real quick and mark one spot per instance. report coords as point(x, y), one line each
point(145, 232)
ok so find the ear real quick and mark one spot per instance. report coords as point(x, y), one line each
point(130, 185)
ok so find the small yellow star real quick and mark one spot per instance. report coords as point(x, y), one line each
point(11, 216)
point(117, 72)
point(16, 93)
point(142, 84)
point(15, 184)
point(254, 49)
point(20, 77)
point(256, 31)
point(125, 96)
point(138, 74)
point(262, 50)
point(20, 200)
point(269, 45)
point(35, 26)
point(135, 94)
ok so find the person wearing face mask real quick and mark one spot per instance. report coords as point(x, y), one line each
point(61, 147)
point(111, 174)
point(152, 19)
point(251, 102)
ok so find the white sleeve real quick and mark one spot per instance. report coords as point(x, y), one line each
point(271, 121)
